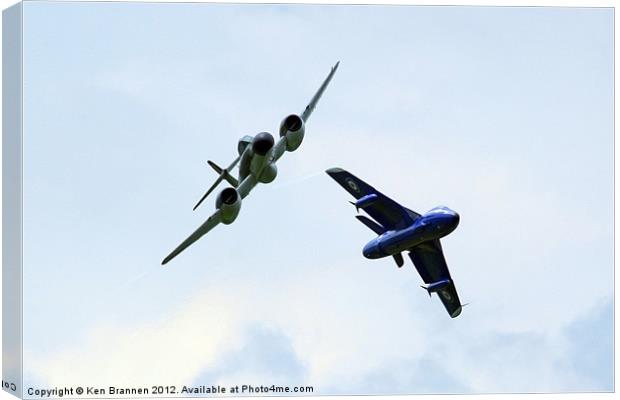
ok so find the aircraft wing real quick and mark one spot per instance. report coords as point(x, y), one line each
point(384, 210)
point(431, 264)
point(209, 224)
point(280, 145)
point(315, 99)
point(246, 186)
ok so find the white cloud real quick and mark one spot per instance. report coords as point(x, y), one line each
point(327, 323)
point(142, 354)
point(337, 335)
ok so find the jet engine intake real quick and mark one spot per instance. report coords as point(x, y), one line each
point(293, 128)
point(262, 143)
point(229, 204)
point(269, 173)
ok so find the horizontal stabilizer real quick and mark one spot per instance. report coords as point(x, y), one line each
point(225, 173)
point(216, 167)
point(375, 227)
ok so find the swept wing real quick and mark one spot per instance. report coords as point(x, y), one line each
point(384, 210)
point(431, 264)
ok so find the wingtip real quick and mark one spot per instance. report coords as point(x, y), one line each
point(334, 170)
point(335, 67)
point(167, 259)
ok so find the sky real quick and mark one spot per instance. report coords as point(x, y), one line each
point(502, 114)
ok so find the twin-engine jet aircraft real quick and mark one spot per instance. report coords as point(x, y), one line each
point(257, 163)
point(401, 229)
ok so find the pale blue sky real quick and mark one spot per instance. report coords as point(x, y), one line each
point(503, 114)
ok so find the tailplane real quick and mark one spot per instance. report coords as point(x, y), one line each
point(224, 173)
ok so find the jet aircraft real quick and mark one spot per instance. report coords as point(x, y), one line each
point(257, 157)
point(401, 229)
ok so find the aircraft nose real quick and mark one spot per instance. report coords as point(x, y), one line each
point(455, 220)
point(371, 250)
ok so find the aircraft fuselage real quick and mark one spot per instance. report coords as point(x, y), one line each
point(435, 224)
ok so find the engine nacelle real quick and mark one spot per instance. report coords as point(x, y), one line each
point(243, 143)
point(229, 204)
point(269, 174)
point(262, 143)
point(293, 128)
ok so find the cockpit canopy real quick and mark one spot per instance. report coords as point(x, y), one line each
point(440, 210)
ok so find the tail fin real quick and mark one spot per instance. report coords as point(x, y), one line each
point(216, 167)
point(224, 174)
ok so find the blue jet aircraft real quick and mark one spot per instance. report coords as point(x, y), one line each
point(401, 229)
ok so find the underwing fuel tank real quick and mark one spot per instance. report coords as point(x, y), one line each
point(365, 201)
point(436, 286)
